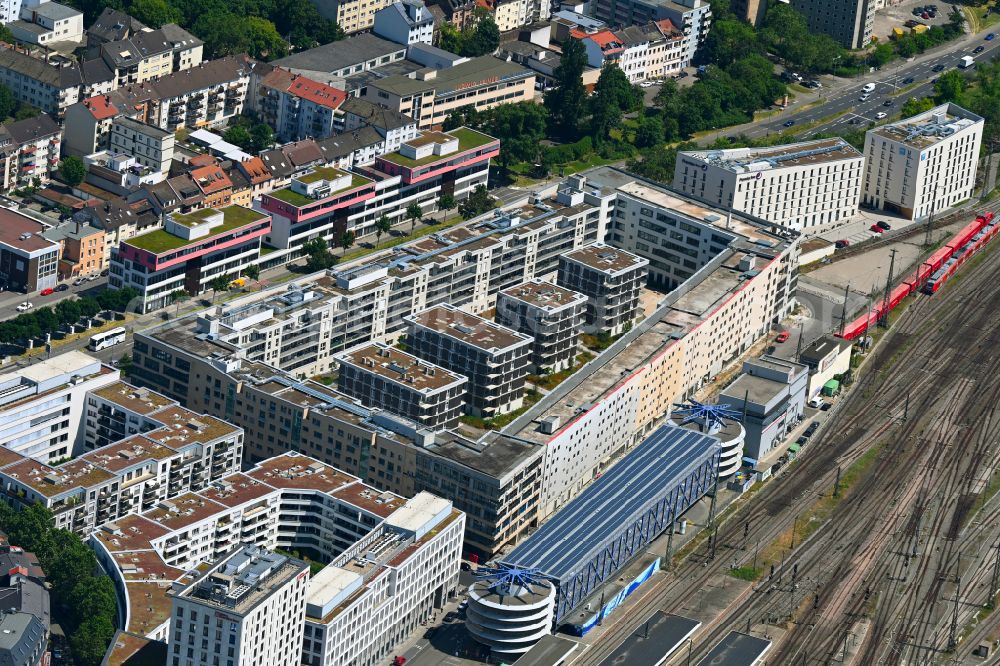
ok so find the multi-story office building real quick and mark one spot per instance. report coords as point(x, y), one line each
point(324, 202)
point(42, 405)
point(28, 261)
point(493, 357)
point(392, 561)
point(923, 164)
point(384, 377)
point(611, 279)
point(799, 185)
point(247, 608)
point(553, 316)
point(692, 18)
point(188, 253)
point(483, 82)
point(150, 146)
point(850, 22)
point(338, 60)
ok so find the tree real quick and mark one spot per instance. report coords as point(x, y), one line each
point(446, 202)
point(520, 128)
point(91, 639)
point(178, 296)
point(72, 170)
point(382, 226)
point(613, 95)
point(484, 39)
point(450, 38)
point(68, 312)
point(950, 87)
point(219, 283)
point(319, 257)
point(913, 106)
point(478, 203)
point(649, 132)
point(565, 101)
point(27, 111)
point(347, 240)
point(262, 136)
point(154, 13)
point(414, 212)
point(253, 272)
point(239, 135)
point(7, 102)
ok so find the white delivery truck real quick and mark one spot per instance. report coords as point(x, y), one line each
point(966, 62)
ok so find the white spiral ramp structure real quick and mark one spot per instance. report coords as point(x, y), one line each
point(510, 616)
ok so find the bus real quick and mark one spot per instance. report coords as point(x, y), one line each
point(106, 339)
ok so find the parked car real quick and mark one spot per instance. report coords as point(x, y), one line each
point(812, 427)
point(62, 287)
point(880, 115)
point(885, 225)
point(77, 282)
point(864, 98)
point(887, 102)
point(802, 440)
point(24, 306)
point(770, 349)
point(451, 617)
point(466, 566)
point(842, 243)
point(463, 605)
point(782, 337)
point(47, 292)
point(877, 229)
point(789, 123)
point(826, 407)
point(815, 402)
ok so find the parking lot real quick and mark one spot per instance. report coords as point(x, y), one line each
point(896, 16)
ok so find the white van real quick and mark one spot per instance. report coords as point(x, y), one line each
point(869, 87)
point(816, 402)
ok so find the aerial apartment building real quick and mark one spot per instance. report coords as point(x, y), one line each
point(493, 357)
point(850, 22)
point(799, 185)
point(247, 607)
point(384, 377)
point(393, 562)
point(611, 279)
point(188, 252)
point(552, 315)
point(28, 261)
point(693, 18)
point(924, 164)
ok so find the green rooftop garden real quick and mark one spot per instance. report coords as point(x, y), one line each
point(467, 140)
point(290, 196)
point(160, 241)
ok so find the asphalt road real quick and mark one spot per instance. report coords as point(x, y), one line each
point(846, 99)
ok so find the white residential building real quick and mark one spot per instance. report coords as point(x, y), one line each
point(42, 405)
point(649, 51)
point(151, 147)
point(692, 17)
point(246, 609)
point(799, 185)
point(924, 164)
point(406, 22)
point(49, 23)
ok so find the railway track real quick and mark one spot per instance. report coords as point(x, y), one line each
point(889, 551)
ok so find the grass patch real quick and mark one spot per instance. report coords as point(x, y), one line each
point(746, 573)
point(326, 380)
point(160, 241)
point(552, 380)
point(599, 342)
point(531, 396)
point(819, 512)
point(393, 241)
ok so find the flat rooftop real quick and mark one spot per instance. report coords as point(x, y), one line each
point(930, 127)
point(544, 295)
point(605, 258)
point(398, 367)
point(132, 532)
point(184, 510)
point(494, 454)
point(135, 450)
point(21, 233)
point(468, 139)
point(182, 427)
point(469, 329)
point(478, 72)
point(752, 160)
point(291, 197)
point(236, 489)
point(583, 527)
point(139, 400)
point(295, 471)
point(161, 241)
point(53, 481)
point(248, 576)
point(737, 649)
point(760, 389)
point(659, 637)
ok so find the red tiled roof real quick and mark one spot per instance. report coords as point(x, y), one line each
point(318, 93)
point(256, 171)
point(202, 160)
point(607, 40)
point(211, 179)
point(100, 107)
